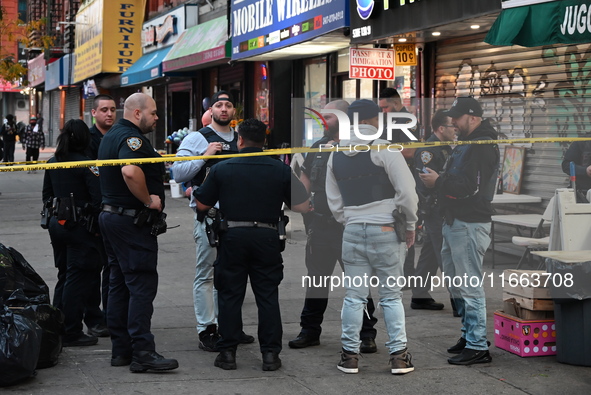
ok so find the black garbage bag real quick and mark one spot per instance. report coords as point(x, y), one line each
point(51, 321)
point(17, 273)
point(20, 343)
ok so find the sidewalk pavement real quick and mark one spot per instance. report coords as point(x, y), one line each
point(87, 370)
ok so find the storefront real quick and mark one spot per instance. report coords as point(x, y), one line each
point(414, 31)
point(291, 49)
point(108, 42)
point(202, 54)
point(36, 88)
point(535, 62)
point(146, 74)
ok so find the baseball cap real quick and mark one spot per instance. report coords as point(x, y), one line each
point(216, 97)
point(464, 105)
point(366, 109)
point(33, 117)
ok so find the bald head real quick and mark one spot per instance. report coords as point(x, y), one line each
point(140, 109)
point(331, 119)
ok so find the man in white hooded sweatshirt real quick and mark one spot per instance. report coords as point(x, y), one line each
point(363, 190)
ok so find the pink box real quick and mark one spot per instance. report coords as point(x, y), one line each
point(525, 338)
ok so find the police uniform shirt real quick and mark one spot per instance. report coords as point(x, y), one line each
point(95, 141)
point(432, 157)
point(314, 167)
point(248, 188)
point(298, 190)
point(125, 141)
point(82, 182)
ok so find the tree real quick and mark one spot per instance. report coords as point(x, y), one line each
point(30, 34)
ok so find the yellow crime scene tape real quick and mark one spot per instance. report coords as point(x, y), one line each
point(40, 165)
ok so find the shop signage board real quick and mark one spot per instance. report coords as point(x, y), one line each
point(36, 68)
point(373, 19)
point(260, 26)
point(165, 29)
point(108, 37)
point(370, 63)
point(406, 54)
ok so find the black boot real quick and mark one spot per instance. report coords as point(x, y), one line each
point(151, 360)
point(271, 361)
point(226, 360)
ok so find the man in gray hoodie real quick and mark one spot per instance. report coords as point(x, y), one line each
point(364, 187)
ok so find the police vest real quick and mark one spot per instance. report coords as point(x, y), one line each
point(360, 180)
point(227, 148)
point(486, 188)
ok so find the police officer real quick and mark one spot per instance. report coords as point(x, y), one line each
point(324, 244)
point(131, 245)
point(74, 196)
point(250, 191)
point(104, 111)
point(429, 261)
point(216, 138)
point(390, 101)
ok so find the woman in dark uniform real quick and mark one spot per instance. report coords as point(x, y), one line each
point(75, 196)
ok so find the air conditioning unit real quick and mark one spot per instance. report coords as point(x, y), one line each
point(21, 104)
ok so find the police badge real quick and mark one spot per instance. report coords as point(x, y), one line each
point(94, 170)
point(426, 157)
point(134, 143)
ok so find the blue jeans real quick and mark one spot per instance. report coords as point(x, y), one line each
point(373, 250)
point(464, 246)
point(205, 298)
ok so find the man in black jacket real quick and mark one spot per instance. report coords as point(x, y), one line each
point(466, 189)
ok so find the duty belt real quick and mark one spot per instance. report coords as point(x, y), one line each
point(251, 224)
point(130, 212)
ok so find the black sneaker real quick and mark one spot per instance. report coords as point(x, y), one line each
point(425, 304)
point(303, 341)
point(469, 356)
point(400, 362)
point(100, 330)
point(226, 360)
point(82, 341)
point(271, 361)
point(460, 345)
point(246, 339)
point(208, 339)
point(349, 362)
point(143, 361)
point(368, 346)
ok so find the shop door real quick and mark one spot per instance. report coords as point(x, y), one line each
point(180, 105)
point(527, 92)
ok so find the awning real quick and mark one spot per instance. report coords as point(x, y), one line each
point(146, 68)
point(545, 23)
point(204, 44)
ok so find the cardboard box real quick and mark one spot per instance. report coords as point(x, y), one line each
point(526, 338)
point(531, 304)
point(512, 307)
point(521, 283)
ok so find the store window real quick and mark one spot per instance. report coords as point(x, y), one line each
point(261, 89)
point(315, 82)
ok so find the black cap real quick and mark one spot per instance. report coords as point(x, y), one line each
point(464, 105)
point(366, 109)
point(216, 97)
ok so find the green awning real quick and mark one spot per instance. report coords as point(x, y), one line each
point(556, 22)
point(202, 45)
